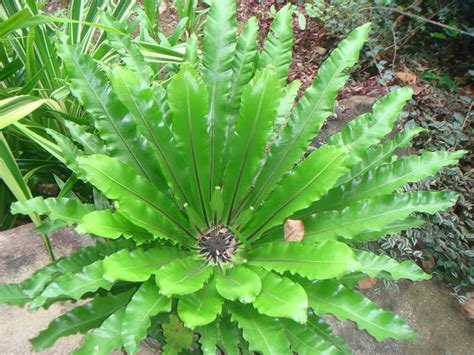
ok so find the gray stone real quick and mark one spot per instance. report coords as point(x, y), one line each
point(346, 110)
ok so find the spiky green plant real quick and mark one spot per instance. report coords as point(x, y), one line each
point(201, 172)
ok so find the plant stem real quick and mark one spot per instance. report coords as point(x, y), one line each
point(48, 247)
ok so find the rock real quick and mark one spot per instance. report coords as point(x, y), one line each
point(428, 308)
point(346, 110)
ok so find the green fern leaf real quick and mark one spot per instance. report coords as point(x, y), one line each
point(104, 339)
point(264, 334)
point(330, 297)
point(200, 308)
point(277, 50)
point(375, 265)
point(139, 264)
point(145, 303)
point(183, 276)
point(281, 297)
point(374, 214)
point(80, 319)
point(314, 261)
point(239, 283)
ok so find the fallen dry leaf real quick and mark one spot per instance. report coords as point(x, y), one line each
point(407, 77)
point(320, 50)
point(294, 230)
point(468, 308)
point(367, 284)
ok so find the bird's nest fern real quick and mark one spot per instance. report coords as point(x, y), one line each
point(201, 170)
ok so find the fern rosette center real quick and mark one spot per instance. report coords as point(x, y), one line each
point(218, 244)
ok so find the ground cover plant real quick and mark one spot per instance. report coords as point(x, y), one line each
point(201, 171)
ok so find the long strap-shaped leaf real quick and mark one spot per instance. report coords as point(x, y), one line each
point(72, 263)
point(13, 294)
point(112, 119)
point(243, 65)
point(243, 69)
point(128, 50)
point(380, 154)
point(385, 179)
point(258, 111)
point(111, 225)
point(395, 227)
point(139, 264)
point(313, 108)
point(145, 303)
point(313, 337)
point(374, 214)
point(217, 56)
point(138, 199)
point(80, 319)
point(315, 261)
point(264, 334)
point(139, 98)
point(188, 101)
point(367, 129)
point(373, 265)
point(277, 50)
point(331, 297)
point(315, 175)
point(65, 209)
point(75, 285)
point(104, 339)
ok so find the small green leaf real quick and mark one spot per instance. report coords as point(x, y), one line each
point(200, 308)
point(228, 337)
point(281, 297)
point(183, 276)
point(239, 283)
point(65, 209)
